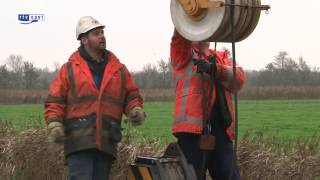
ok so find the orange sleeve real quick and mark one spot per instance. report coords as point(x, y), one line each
point(55, 104)
point(180, 51)
point(224, 74)
point(132, 95)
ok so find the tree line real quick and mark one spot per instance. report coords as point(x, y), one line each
point(283, 70)
point(18, 73)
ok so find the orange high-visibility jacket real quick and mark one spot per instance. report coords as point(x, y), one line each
point(188, 111)
point(91, 117)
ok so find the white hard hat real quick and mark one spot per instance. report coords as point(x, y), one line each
point(85, 24)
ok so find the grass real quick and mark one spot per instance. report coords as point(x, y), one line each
point(292, 119)
point(22, 116)
point(284, 119)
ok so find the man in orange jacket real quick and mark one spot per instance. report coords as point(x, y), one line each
point(195, 75)
point(86, 101)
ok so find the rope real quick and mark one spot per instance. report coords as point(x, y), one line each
point(206, 115)
point(205, 120)
point(234, 77)
point(234, 162)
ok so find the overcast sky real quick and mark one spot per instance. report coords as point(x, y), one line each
point(139, 31)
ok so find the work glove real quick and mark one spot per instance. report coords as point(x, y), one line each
point(136, 116)
point(203, 66)
point(207, 67)
point(56, 132)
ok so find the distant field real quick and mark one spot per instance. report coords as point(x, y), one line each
point(289, 119)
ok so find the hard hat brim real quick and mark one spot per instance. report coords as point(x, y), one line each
point(91, 28)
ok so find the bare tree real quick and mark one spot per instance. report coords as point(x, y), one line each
point(15, 65)
point(280, 59)
point(4, 77)
point(56, 66)
point(45, 77)
point(30, 75)
point(164, 70)
point(303, 65)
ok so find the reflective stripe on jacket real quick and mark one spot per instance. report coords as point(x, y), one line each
point(188, 111)
point(91, 117)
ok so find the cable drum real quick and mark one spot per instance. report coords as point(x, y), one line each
point(215, 25)
point(253, 22)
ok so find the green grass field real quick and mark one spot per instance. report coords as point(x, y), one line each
point(292, 119)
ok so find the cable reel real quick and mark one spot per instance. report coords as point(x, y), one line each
point(205, 20)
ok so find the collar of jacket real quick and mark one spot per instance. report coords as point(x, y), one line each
point(84, 54)
point(113, 66)
point(113, 61)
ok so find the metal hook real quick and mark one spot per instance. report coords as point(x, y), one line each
point(267, 11)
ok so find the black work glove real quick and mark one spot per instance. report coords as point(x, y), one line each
point(203, 66)
point(213, 60)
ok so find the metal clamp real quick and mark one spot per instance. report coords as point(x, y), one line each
point(210, 4)
point(197, 9)
point(261, 7)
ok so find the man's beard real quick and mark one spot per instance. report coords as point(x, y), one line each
point(99, 47)
point(102, 46)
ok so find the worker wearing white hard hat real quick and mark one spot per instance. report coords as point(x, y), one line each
point(86, 101)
